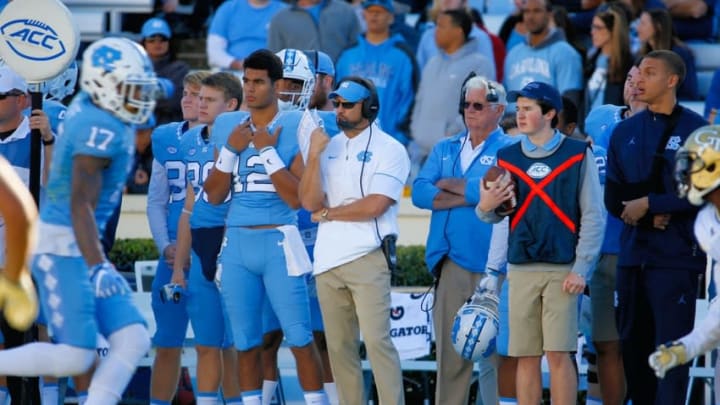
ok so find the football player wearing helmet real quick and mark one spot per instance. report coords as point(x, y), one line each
point(81, 291)
point(298, 82)
point(697, 172)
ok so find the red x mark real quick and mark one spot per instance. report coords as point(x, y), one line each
point(536, 189)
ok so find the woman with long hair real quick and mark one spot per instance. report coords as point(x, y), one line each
point(609, 60)
point(655, 31)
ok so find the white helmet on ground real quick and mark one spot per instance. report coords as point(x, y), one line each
point(476, 326)
point(296, 67)
point(119, 77)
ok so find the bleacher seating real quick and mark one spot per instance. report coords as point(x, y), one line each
point(707, 61)
point(97, 18)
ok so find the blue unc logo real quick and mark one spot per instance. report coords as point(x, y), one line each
point(32, 39)
point(105, 58)
point(364, 156)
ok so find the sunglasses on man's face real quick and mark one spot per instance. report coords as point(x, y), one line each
point(475, 106)
point(3, 96)
point(345, 104)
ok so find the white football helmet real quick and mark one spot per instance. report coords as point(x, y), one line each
point(296, 66)
point(62, 85)
point(697, 164)
point(119, 77)
point(476, 326)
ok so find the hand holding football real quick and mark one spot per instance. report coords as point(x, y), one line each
point(501, 179)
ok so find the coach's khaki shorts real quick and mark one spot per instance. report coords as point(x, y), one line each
point(602, 300)
point(542, 316)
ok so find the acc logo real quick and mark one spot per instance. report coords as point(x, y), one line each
point(538, 170)
point(32, 39)
point(397, 313)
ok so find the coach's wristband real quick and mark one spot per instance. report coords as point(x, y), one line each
point(271, 160)
point(226, 160)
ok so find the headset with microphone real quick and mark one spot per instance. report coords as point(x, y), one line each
point(371, 103)
point(491, 95)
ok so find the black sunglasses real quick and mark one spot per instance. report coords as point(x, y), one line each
point(3, 96)
point(345, 104)
point(475, 106)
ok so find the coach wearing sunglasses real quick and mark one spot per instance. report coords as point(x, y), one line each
point(155, 38)
point(458, 242)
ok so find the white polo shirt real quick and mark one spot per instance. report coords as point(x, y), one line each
point(384, 166)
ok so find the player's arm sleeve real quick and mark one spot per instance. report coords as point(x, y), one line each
point(217, 52)
point(157, 199)
point(497, 255)
point(706, 335)
point(592, 217)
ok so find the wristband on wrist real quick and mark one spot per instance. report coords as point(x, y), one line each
point(48, 143)
point(226, 160)
point(271, 160)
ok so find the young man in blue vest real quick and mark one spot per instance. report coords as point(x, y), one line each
point(554, 239)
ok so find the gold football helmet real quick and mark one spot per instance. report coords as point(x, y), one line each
point(697, 164)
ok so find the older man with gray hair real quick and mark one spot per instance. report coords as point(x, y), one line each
point(457, 246)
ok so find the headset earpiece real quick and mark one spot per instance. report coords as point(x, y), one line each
point(463, 90)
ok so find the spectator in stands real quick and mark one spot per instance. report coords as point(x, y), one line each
point(458, 242)
point(655, 32)
point(545, 56)
point(498, 46)
point(608, 61)
point(155, 37)
point(561, 21)
point(326, 25)
point(238, 28)
point(512, 30)
point(434, 117)
point(429, 47)
point(389, 63)
point(712, 101)
point(659, 260)
point(693, 19)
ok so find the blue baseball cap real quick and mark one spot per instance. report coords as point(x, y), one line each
point(539, 91)
point(350, 91)
point(386, 4)
point(325, 64)
point(155, 26)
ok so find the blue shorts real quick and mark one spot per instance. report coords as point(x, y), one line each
point(253, 267)
point(206, 310)
point(503, 337)
point(75, 316)
point(171, 317)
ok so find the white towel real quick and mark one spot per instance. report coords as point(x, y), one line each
point(298, 261)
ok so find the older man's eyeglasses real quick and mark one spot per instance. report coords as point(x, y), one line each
point(345, 104)
point(475, 106)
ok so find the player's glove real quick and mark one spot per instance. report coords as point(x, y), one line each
point(491, 282)
point(107, 281)
point(667, 356)
point(20, 301)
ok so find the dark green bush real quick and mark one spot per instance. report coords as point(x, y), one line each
point(411, 260)
point(412, 270)
point(126, 252)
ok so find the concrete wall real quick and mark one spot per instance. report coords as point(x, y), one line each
point(414, 222)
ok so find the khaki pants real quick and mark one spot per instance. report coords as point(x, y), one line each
point(355, 297)
point(453, 372)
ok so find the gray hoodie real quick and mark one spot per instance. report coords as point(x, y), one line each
point(436, 114)
point(294, 27)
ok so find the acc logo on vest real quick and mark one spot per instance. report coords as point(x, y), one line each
point(538, 170)
point(32, 39)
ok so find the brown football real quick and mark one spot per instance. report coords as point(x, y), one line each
point(497, 173)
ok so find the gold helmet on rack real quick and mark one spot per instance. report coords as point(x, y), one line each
point(697, 164)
